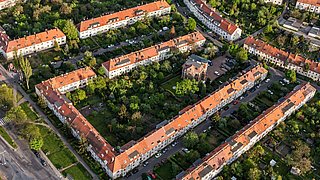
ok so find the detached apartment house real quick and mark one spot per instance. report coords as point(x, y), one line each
point(123, 64)
point(309, 5)
point(132, 154)
point(30, 44)
point(245, 138)
point(213, 20)
point(305, 67)
point(123, 18)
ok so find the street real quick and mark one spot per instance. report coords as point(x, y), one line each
point(22, 164)
point(274, 77)
point(9, 79)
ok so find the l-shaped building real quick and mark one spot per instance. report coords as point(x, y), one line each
point(98, 25)
point(125, 63)
point(131, 155)
point(213, 20)
point(301, 65)
point(245, 138)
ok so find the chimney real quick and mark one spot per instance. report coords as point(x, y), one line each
point(211, 13)
point(201, 5)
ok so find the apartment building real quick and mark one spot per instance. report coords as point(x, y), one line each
point(30, 44)
point(305, 67)
point(195, 68)
point(118, 164)
point(277, 2)
point(123, 18)
point(7, 3)
point(309, 5)
point(245, 138)
point(213, 20)
point(123, 64)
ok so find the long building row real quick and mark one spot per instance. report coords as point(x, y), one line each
point(244, 139)
point(301, 65)
point(213, 20)
point(118, 164)
point(125, 63)
point(46, 40)
point(123, 18)
point(309, 5)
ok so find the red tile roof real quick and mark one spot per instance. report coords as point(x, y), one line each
point(102, 148)
point(122, 15)
point(225, 24)
point(282, 55)
point(189, 114)
point(11, 45)
point(312, 2)
point(152, 51)
point(224, 152)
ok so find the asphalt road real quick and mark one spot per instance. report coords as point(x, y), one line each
point(274, 76)
point(8, 78)
point(22, 164)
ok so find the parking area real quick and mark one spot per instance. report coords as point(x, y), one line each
point(219, 66)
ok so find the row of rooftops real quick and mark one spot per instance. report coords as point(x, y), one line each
point(115, 162)
point(242, 138)
point(282, 55)
point(122, 15)
point(224, 24)
point(49, 89)
point(185, 118)
point(12, 45)
point(311, 2)
point(146, 53)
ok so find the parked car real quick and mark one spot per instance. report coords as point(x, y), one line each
point(235, 102)
point(270, 92)
point(152, 175)
point(186, 150)
point(158, 155)
point(43, 162)
point(134, 171)
point(217, 73)
point(37, 154)
point(145, 164)
point(267, 80)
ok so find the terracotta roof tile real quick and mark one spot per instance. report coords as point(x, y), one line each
point(122, 15)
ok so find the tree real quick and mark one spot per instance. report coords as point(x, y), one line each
point(136, 116)
point(192, 156)
point(36, 143)
point(172, 32)
point(89, 59)
point(65, 9)
point(242, 55)
point(82, 145)
point(56, 46)
point(6, 98)
point(26, 69)
point(192, 24)
point(17, 115)
point(187, 86)
point(190, 139)
point(81, 94)
point(215, 117)
point(68, 28)
point(42, 102)
point(123, 112)
point(268, 29)
point(166, 66)
point(291, 75)
point(254, 173)
point(300, 156)
point(31, 131)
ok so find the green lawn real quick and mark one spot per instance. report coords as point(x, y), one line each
point(170, 83)
point(62, 158)
point(166, 170)
point(58, 154)
point(7, 137)
point(30, 113)
point(77, 172)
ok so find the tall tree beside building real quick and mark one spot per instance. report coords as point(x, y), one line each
point(26, 69)
point(192, 24)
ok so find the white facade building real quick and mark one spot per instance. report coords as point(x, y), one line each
point(123, 64)
point(30, 44)
point(123, 18)
point(213, 20)
point(309, 5)
point(277, 2)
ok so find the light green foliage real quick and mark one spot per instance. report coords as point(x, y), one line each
point(187, 86)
